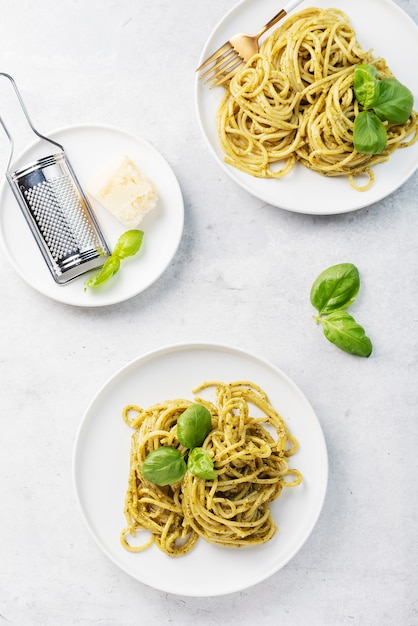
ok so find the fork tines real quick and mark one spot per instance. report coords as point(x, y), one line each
point(224, 63)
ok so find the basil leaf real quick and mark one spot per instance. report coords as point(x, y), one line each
point(193, 425)
point(128, 244)
point(335, 287)
point(200, 464)
point(164, 466)
point(369, 133)
point(395, 102)
point(366, 85)
point(109, 269)
point(341, 329)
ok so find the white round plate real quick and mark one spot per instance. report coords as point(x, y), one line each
point(101, 465)
point(90, 149)
point(304, 191)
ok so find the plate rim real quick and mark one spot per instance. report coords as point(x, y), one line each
point(191, 346)
point(108, 300)
point(244, 181)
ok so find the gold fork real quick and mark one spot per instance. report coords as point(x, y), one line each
point(232, 56)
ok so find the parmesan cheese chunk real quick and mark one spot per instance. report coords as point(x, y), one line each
point(125, 192)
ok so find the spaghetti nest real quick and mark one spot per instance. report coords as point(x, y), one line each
point(249, 444)
point(294, 102)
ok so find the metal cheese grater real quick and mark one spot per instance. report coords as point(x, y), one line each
point(57, 210)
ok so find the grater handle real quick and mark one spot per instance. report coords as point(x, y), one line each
point(22, 104)
point(11, 144)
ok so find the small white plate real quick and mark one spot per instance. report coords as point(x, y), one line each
point(380, 25)
point(101, 465)
point(90, 148)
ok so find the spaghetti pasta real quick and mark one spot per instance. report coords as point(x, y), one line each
point(249, 444)
point(294, 102)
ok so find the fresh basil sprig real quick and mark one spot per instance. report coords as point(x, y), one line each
point(383, 100)
point(167, 465)
point(128, 244)
point(331, 293)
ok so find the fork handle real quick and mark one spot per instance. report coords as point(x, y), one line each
point(281, 14)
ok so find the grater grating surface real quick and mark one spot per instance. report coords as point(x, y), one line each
point(60, 215)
